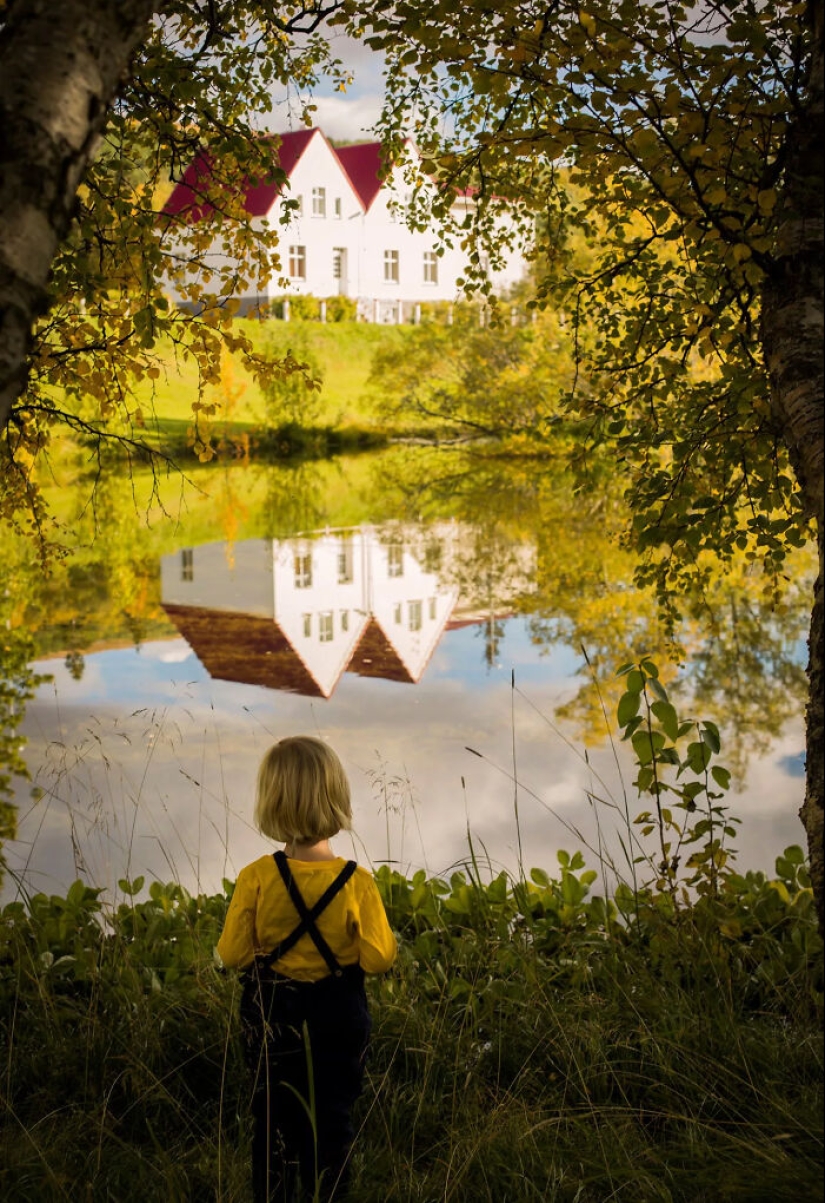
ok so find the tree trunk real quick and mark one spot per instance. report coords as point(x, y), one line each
point(60, 65)
point(792, 336)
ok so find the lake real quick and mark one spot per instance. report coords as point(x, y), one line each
point(427, 612)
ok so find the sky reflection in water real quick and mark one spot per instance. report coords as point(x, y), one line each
point(148, 761)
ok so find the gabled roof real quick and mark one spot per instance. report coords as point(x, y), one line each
point(362, 163)
point(243, 648)
point(375, 656)
point(188, 195)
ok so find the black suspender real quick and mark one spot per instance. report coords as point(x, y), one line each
point(309, 915)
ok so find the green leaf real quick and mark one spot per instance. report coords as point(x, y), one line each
point(628, 707)
point(647, 744)
point(635, 681)
point(666, 715)
point(699, 756)
point(711, 736)
point(644, 779)
point(721, 776)
point(131, 887)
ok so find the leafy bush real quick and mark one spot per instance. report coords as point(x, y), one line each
point(308, 308)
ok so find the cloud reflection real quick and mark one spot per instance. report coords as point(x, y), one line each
point(165, 788)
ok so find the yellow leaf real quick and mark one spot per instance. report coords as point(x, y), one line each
point(588, 23)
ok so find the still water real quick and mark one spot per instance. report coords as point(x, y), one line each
point(426, 613)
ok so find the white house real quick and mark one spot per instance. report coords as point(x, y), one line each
point(296, 614)
point(345, 233)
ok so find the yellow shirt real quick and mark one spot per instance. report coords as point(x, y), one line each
point(261, 914)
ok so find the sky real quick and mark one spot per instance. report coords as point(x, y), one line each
point(342, 116)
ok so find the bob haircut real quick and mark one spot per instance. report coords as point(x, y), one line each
point(302, 794)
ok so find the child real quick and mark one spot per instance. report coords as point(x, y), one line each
point(305, 926)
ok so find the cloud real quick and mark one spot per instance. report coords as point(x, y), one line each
point(348, 119)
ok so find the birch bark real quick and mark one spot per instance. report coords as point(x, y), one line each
point(792, 337)
point(60, 65)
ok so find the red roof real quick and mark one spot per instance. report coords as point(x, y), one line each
point(188, 196)
point(362, 164)
point(241, 647)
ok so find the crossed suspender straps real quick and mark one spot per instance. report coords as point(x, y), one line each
point(308, 915)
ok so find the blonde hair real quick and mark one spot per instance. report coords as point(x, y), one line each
point(302, 792)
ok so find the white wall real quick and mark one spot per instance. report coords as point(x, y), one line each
point(320, 234)
point(230, 577)
point(361, 240)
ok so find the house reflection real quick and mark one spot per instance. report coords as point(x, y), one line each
point(296, 614)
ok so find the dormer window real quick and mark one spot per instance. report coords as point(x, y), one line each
point(319, 202)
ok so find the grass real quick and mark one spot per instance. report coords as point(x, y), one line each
point(342, 351)
point(498, 1071)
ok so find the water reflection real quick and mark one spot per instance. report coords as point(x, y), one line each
point(296, 614)
point(392, 624)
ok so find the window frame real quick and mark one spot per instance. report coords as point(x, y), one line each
point(298, 261)
point(392, 266)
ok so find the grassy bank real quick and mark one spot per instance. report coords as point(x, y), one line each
point(237, 418)
point(531, 1044)
point(340, 354)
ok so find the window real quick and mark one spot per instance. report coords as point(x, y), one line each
point(345, 572)
point(345, 620)
point(319, 202)
point(391, 267)
point(414, 615)
point(187, 564)
point(307, 625)
point(430, 267)
point(337, 207)
point(337, 262)
point(432, 609)
point(325, 631)
point(397, 614)
point(432, 557)
point(395, 560)
point(303, 571)
point(298, 262)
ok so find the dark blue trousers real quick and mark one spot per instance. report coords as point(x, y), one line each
point(305, 1046)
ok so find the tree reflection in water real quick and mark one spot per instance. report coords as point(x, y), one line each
point(503, 538)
